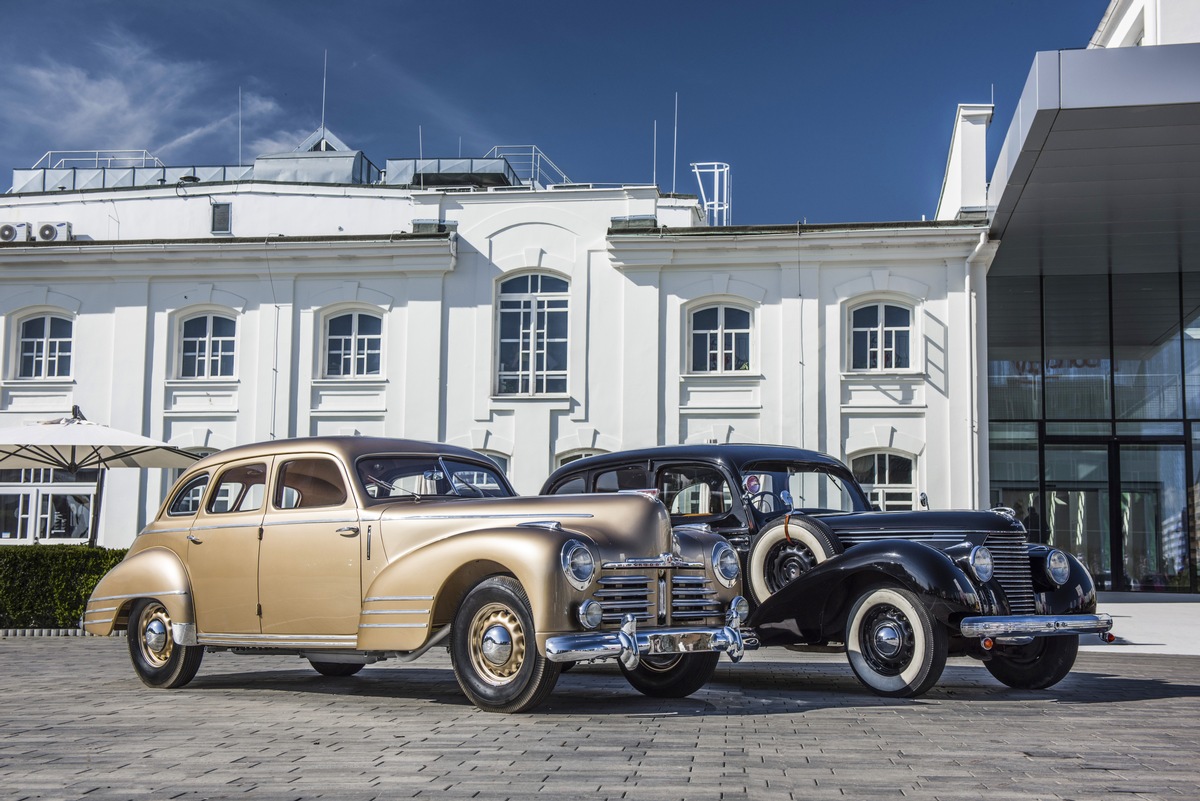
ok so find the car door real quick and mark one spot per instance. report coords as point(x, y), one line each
point(309, 564)
point(223, 544)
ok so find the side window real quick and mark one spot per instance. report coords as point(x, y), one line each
point(694, 490)
point(630, 477)
point(309, 483)
point(572, 486)
point(187, 501)
point(239, 489)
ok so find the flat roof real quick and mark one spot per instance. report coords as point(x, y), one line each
point(1101, 164)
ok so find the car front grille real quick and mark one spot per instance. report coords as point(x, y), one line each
point(692, 597)
point(1010, 558)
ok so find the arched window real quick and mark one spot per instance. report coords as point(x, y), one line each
point(889, 480)
point(881, 337)
point(575, 456)
point(720, 338)
point(44, 347)
point(208, 343)
point(532, 348)
point(353, 345)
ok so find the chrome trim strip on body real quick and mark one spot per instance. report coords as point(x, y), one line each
point(573, 515)
point(215, 526)
point(375, 598)
point(164, 530)
point(392, 626)
point(1034, 625)
point(270, 523)
point(905, 534)
point(665, 560)
point(395, 611)
point(100, 609)
point(278, 640)
point(149, 594)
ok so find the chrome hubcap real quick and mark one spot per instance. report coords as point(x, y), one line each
point(155, 635)
point(888, 640)
point(497, 645)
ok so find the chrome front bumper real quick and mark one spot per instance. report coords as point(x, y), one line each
point(630, 645)
point(1028, 626)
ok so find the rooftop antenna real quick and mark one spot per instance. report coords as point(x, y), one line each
point(675, 152)
point(420, 154)
point(655, 173)
point(324, 83)
point(239, 126)
point(993, 94)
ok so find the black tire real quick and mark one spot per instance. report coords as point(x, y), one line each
point(785, 550)
point(1043, 663)
point(336, 669)
point(894, 645)
point(158, 660)
point(673, 676)
point(502, 671)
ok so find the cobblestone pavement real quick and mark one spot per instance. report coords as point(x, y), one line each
point(75, 722)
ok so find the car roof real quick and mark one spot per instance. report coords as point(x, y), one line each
point(347, 448)
point(733, 454)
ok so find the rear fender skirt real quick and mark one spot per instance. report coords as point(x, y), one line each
point(813, 608)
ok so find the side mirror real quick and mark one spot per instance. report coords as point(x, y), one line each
point(924, 500)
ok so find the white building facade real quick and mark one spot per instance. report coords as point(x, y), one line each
point(532, 323)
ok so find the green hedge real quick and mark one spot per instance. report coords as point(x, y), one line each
point(47, 586)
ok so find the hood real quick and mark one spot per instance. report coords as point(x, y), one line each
point(940, 528)
point(622, 526)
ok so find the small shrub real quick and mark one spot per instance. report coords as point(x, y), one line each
point(47, 586)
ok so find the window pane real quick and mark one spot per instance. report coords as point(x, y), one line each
point(556, 325)
point(223, 327)
point(864, 469)
point(556, 356)
point(1147, 347)
point(34, 328)
point(515, 286)
point(861, 350)
point(895, 316)
point(741, 351)
point(900, 343)
point(510, 325)
point(737, 318)
point(899, 470)
point(705, 320)
point(342, 325)
point(369, 324)
point(551, 284)
point(699, 353)
point(195, 327)
point(308, 483)
point(1014, 348)
point(866, 317)
point(1077, 357)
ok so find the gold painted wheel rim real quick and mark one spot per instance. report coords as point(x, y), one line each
point(496, 617)
point(154, 635)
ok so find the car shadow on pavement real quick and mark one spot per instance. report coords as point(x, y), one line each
point(762, 688)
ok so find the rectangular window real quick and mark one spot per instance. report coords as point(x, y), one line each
point(222, 218)
point(533, 342)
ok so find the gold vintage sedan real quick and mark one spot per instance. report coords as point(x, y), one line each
point(351, 550)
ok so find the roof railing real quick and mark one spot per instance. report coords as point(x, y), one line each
point(61, 159)
point(530, 164)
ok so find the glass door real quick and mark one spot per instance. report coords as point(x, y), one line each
point(1077, 512)
point(1153, 509)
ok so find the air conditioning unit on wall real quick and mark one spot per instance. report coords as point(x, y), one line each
point(53, 231)
point(15, 232)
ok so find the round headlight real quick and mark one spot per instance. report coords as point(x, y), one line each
point(578, 564)
point(981, 563)
point(740, 607)
point(591, 614)
point(725, 562)
point(1058, 567)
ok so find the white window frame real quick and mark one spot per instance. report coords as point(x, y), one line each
point(722, 342)
point(209, 341)
point(533, 338)
point(885, 495)
point(883, 346)
point(359, 345)
point(49, 348)
point(575, 455)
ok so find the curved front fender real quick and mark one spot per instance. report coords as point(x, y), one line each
point(813, 608)
point(422, 589)
point(153, 573)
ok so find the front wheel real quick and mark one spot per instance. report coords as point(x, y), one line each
point(894, 645)
point(158, 660)
point(494, 651)
point(673, 676)
point(1043, 663)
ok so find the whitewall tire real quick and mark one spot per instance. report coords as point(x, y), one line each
point(894, 645)
point(780, 554)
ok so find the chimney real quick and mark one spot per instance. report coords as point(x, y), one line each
point(964, 187)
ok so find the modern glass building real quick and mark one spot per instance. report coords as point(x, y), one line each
point(1094, 313)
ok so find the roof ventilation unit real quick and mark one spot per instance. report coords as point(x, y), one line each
point(53, 231)
point(15, 232)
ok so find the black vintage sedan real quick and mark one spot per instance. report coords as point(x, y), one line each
point(900, 591)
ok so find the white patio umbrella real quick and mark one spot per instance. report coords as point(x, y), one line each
point(75, 443)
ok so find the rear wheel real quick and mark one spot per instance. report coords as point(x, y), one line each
point(335, 669)
point(673, 676)
point(158, 660)
point(1043, 663)
point(493, 649)
point(894, 645)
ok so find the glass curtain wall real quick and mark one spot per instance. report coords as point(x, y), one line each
point(1094, 398)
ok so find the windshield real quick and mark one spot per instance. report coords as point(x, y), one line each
point(391, 477)
point(773, 488)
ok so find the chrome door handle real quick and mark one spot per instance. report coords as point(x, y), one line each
point(348, 531)
point(194, 538)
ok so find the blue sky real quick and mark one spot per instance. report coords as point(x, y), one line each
point(826, 111)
